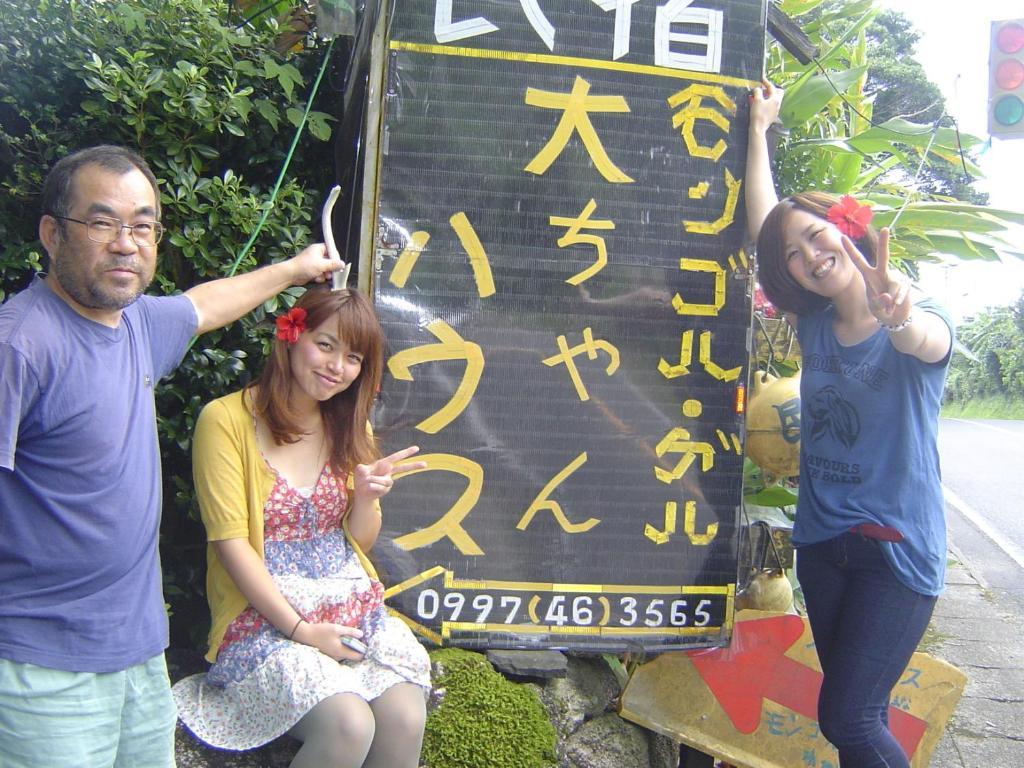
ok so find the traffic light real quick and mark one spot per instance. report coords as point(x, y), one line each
point(1006, 79)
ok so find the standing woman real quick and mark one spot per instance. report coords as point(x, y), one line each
point(288, 479)
point(870, 527)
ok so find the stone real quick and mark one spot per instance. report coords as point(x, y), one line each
point(663, 751)
point(528, 665)
point(190, 753)
point(607, 741)
point(589, 689)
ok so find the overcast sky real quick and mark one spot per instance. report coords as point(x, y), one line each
point(953, 50)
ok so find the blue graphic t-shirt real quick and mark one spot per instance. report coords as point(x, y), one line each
point(868, 453)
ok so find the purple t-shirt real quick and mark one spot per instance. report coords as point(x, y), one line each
point(80, 487)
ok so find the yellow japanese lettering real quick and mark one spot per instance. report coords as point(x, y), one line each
point(690, 524)
point(728, 213)
point(407, 260)
point(711, 367)
point(591, 347)
point(670, 371)
point(691, 100)
point(475, 250)
point(450, 524)
point(573, 236)
point(662, 536)
point(451, 347)
point(575, 107)
point(542, 502)
point(702, 265)
point(678, 441)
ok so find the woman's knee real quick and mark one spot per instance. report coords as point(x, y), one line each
point(401, 711)
point(356, 727)
point(338, 728)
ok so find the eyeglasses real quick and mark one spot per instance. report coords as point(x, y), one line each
point(104, 229)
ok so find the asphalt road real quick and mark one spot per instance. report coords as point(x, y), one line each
point(983, 477)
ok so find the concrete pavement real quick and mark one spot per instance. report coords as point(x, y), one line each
point(986, 642)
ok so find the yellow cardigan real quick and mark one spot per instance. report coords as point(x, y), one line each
point(232, 483)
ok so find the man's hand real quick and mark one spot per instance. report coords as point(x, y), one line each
point(313, 264)
point(220, 302)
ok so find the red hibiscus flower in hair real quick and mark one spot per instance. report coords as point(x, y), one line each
point(850, 217)
point(291, 325)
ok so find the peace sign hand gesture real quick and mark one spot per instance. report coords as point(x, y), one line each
point(374, 480)
point(886, 290)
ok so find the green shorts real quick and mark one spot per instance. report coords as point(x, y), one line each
point(86, 720)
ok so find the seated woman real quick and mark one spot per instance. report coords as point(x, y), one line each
point(288, 478)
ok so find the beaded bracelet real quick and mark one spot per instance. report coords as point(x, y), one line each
point(292, 633)
point(899, 326)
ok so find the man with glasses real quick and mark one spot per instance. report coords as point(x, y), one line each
point(83, 627)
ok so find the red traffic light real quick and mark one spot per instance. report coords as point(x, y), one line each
point(1006, 79)
point(1010, 37)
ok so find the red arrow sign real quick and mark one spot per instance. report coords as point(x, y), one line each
point(754, 667)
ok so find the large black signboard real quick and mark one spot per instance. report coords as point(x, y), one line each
point(560, 275)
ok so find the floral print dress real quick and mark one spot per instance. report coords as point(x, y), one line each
point(262, 684)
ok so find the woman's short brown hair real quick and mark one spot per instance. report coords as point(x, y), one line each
point(779, 286)
point(345, 416)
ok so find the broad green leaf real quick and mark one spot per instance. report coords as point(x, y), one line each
point(318, 125)
point(847, 171)
point(838, 49)
point(931, 219)
point(288, 77)
point(269, 112)
point(806, 99)
point(773, 496)
point(961, 246)
point(798, 7)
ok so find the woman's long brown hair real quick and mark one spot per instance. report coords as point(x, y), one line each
point(346, 415)
point(779, 286)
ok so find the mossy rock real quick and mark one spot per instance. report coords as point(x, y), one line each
point(484, 720)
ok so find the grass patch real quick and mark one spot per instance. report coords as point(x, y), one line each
point(992, 407)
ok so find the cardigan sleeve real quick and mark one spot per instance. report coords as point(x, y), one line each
point(218, 469)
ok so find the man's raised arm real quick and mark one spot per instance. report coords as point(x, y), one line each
point(219, 302)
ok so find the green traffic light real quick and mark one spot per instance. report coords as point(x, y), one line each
point(1009, 110)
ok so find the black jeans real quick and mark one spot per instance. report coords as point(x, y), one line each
point(866, 626)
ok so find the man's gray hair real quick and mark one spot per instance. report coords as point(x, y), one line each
point(58, 189)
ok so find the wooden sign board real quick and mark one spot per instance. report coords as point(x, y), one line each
point(560, 274)
point(754, 704)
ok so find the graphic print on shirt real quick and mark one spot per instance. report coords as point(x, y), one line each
point(832, 420)
point(832, 415)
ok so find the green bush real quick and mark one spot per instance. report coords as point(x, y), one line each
point(212, 108)
point(484, 720)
